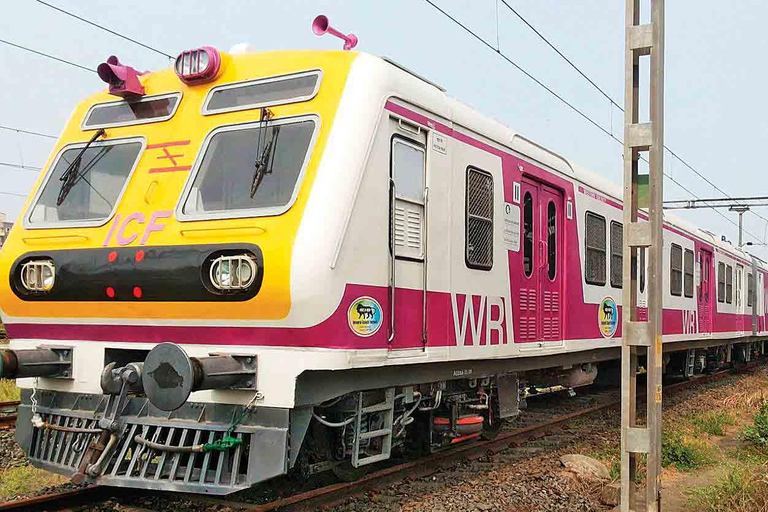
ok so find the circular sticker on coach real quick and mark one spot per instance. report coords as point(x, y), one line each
point(364, 316)
point(608, 317)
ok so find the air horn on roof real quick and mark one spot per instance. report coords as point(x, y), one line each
point(321, 25)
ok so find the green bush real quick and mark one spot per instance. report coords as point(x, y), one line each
point(676, 452)
point(713, 422)
point(757, 433)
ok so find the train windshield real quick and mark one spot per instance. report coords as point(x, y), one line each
point(101, 177)
point(227, 183)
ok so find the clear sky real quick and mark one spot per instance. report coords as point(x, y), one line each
point(715, 115)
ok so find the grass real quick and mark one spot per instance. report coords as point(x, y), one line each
point(757, 433)
point(742, 489)
point(684, 455)
point(714, 423)
point(24, 480)
point(8, 390)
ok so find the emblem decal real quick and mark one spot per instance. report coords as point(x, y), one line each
point(364, 316)
point(608, 317)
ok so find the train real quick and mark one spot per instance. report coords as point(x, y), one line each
point(255, 264)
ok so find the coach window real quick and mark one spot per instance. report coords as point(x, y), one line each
point(408, 165)
point(595, 253)
point(729, 284)
point(676, 270)
point(641, 263)
point(750, 290)
point(721, 282)
point(688, 273)
point(528, 234)
point(617, 257)
point(551, 240)
point(479, 219)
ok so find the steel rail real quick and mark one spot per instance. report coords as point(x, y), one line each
point(8, 420)
point(338, 493)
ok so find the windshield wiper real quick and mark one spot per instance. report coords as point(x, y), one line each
point(71, 176)
point(266, 158)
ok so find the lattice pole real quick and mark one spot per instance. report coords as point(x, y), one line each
point(646, 40)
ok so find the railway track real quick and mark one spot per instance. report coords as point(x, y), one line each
point(8, 414)
point(335, 494)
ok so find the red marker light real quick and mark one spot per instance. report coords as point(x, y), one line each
point(137, 292)
point(112, 256)
point(110, 292)
point(140, 256)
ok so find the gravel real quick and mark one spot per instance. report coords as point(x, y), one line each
point(11, 454)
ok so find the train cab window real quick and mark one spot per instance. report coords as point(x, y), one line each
point(676, 270)
point(227, 183)
point(750, 290)
point(96, 186)
point(729, 284)
point(551, 240)
point(264, 92)
point(688, 273)
point(617, 255)
point(721, 282)
point(528, 234)
point(479, 219)
point(595, 249)
point(148, 109)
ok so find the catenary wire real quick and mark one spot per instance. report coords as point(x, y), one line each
point(46, 55)
point(118, 34)
point(27, 132)
point(571, 106)
point(22, 167)
point(613, 102)
point(13, 194)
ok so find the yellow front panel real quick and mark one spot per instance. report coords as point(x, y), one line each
point(160, 192)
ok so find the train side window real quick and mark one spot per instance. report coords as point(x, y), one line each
point(688, 273)
point(617, 255)
point(721, 282)
point(528, 234)
point(551, 240)
point(750, 290)
point(595, 249)
point(641, 263)
point(729, 284)
point(408, 166)
point(479, 219)
point(676, 270)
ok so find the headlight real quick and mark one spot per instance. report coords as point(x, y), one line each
point(233, 272)
point(38, 275)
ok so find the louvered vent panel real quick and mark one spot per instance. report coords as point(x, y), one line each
point(408, 228)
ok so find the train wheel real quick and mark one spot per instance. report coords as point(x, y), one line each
point(343, 470)
point(493, 423)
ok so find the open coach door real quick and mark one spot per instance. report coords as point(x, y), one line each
point(408, 202)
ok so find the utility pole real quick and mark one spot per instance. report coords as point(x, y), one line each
point(645, 40)
point(740, 210)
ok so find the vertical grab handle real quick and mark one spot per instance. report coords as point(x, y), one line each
point(425, 222)
point(392, 268)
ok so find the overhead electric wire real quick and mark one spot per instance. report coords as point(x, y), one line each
point(27, 132)
point(13, 194)
point(22, 167)
point(613, 102)
point(118, 34)
point(570, 105)
point(46, 55)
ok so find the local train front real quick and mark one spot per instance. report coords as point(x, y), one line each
point(160, 232)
